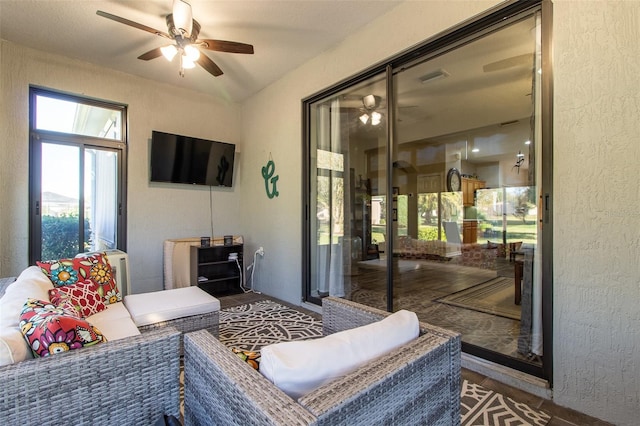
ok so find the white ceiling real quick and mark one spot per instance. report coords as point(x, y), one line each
point(285, 34)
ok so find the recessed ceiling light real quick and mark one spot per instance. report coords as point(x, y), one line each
point(527, 142)
point(475, 150)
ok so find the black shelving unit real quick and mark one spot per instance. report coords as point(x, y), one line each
point(213, 271)
point(361, 214)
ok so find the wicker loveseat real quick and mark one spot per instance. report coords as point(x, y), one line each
point(416, 384)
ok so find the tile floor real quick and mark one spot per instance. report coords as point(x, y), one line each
point(560, 416)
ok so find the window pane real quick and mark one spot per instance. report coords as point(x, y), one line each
point(60, 200)
point(100, 189)
point(64, 116)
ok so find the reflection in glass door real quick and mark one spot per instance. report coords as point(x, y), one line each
point(347, 204)
point(465, 160)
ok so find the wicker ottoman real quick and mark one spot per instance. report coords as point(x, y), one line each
point(186, 309)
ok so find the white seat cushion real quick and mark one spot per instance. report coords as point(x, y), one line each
point(13, 346)
point(301, 366)
point(114, 322)
point(166, 305)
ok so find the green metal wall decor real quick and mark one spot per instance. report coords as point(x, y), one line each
point(267, 173)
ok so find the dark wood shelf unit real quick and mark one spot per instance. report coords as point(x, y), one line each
point(223, 276)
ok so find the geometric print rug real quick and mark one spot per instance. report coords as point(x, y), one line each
point(481, 406)
point(252, 326)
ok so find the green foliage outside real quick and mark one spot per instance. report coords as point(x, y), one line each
point(60, 236)
point(428, 233)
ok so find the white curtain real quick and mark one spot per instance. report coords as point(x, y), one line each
point(330, 257)
point(104, 200)
point(536, 309)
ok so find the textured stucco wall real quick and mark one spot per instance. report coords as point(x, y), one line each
point(155, 211)
point(597, 208)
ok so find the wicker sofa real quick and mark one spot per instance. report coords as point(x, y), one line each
point(416, 384)
point(131, 381)
point(128, 380)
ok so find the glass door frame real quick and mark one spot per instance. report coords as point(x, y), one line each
point(456, 36)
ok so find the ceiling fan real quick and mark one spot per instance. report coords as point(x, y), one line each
point(183, 30)
point(370, 104)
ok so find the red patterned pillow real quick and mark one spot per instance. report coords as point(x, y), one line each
point(94, 268)
point(50, 330)
point(83, 297)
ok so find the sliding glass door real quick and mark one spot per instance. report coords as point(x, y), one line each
point(426, 181)
point(466, 173)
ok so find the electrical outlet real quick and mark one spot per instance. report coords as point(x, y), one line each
point(260, 251)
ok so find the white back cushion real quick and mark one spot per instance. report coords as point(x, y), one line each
point(299, 367)
point(32, 283)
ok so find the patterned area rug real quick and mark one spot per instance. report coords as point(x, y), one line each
point(252, 326)
point(482, 406)
point(495, 296)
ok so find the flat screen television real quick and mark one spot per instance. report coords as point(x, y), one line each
point(183, 159)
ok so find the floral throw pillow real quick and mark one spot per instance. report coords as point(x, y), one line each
point(50, 330)
point(83, 297)
point(90, 269)
point(250, 357)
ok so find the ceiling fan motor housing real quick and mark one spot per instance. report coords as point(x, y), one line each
point(195, 30)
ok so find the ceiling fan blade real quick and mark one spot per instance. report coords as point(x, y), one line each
point(133, 24)
point(226, 46)
point(514, 61)
point(209, 65)
point(152, 54)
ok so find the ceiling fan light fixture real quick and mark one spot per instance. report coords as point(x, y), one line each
point(376, 117)
point(364, 118)
point(169, 52)
point(191, 53)
point(187, 63)
point(182, 17)
point(370, 101)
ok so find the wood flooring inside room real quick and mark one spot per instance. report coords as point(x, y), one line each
point(560, 416)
